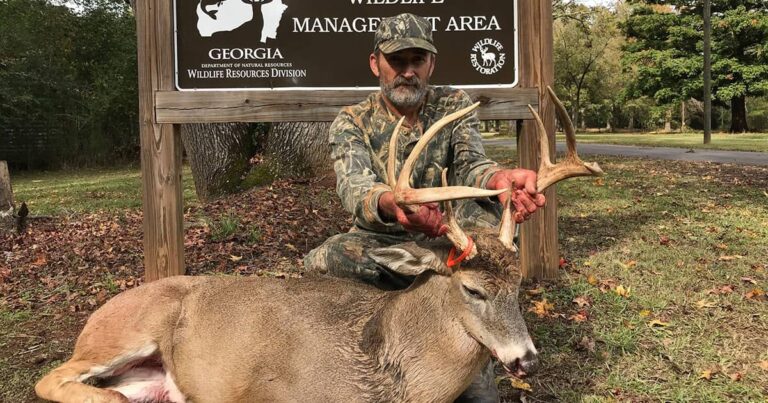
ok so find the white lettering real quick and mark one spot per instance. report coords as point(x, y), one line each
point(244, 53)
point(473, 23)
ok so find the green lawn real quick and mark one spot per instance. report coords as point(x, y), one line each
point(85, 190)
point(720, 141)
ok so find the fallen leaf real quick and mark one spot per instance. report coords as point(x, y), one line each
point(519, 384)
point(621, 291)
point(645, 313)
point(748, 280)
point(541, 308)
point(756, 293)
point(40, 261)
point(587, 343)
point(592, 280)
point(664, 240)
point(706, 374)
point(580, 316)
point(657, 323)
point(563, 263)
point(736, 376)
point(701, 304)
point(235, 258)
point(582, 301)
point(729, 258)
point(535, 291)
point(721, 246)
point(764, 365)
point(599, 182)
point(726, 289)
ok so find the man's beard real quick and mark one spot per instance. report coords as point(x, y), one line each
point(403, 92)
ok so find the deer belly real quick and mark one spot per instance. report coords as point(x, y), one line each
point(147, 384)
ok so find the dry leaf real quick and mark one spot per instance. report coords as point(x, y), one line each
point(729, 258)
point(592, 280)
point(706, 374)
point(645, 313)
point(658, 323)
point(582, 301)
point(756, 293)
point(587, 344)
point(541, 308)
point(535, 291)
point(520, 384)
point(235, 258)
point(726, 289)
point(599, 182)
point(764, 365)
point(705, 304)
point(736, 376)
point(580, 316)
point(748, 280)
point(621, 291)
point(664, 240)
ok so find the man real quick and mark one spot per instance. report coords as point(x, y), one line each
point(403, 59)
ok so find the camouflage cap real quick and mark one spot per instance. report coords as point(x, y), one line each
point(404, 31)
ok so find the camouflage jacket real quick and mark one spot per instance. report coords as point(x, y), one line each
point(359, 140)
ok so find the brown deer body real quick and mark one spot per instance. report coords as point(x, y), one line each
point(233, 339)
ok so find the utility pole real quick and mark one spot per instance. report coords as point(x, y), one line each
point(707, 73)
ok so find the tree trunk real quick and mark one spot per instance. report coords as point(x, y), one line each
point(682, 116)
point(6, 192)
point(218, 155)
point(739, 115)
point(668, 121)
point(299, 148)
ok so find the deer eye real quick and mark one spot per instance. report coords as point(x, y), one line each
point(473, 293)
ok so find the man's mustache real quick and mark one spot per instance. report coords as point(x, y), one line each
point(413, 81)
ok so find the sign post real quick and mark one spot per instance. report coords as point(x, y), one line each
point(214, 61)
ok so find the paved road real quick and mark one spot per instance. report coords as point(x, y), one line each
point(664, 153)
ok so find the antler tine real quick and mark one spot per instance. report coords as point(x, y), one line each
point(507, 226)
point(405, 195)
point(572, 166)
point(392, 157)
point(455, 234)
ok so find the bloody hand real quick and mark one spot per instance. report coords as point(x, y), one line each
point(525, 198)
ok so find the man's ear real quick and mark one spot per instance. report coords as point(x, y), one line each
point(432, 67)
point(374, 63)
point(409, 259)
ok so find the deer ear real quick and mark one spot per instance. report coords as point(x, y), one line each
point(408, 259)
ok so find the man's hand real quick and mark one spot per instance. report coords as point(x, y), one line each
point(525, 198)
point(427, 219)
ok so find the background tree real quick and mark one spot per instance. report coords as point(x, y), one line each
point(664, 48)
point(581, 66)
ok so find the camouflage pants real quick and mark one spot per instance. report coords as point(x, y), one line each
point(344, 255)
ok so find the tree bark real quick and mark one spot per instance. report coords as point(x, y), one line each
point(682, 116)
point(739, 115)
point(299, 148)
point(668, 121)
point(6, 192)
point(218, 155)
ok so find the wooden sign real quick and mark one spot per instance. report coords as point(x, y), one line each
point(311, 44)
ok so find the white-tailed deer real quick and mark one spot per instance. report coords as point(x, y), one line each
point(234, 339)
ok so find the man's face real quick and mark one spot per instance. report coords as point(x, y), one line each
point(403, 75)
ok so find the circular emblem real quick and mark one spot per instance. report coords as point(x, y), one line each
point(487, 56)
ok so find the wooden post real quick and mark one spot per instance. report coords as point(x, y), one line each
point(539, 252)
point(160, 144)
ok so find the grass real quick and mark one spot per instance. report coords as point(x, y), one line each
point(687, 239)
point(674, 233)
point(720, 141)
point(85, 191)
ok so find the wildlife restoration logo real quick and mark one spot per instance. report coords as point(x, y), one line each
point(487, 56)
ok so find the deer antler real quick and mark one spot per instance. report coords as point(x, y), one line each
point(405, 195)
point(572, 165)
point(550, 173)
point(455, 234)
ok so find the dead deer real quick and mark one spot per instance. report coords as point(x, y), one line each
point(234, 339)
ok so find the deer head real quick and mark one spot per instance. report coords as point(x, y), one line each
point(483, 290)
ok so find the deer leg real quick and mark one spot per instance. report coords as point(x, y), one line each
point(64, 384)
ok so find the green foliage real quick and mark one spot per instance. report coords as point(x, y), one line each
point(67, 82)
point(664, 51)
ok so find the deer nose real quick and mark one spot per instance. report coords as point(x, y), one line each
point(529, 363)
